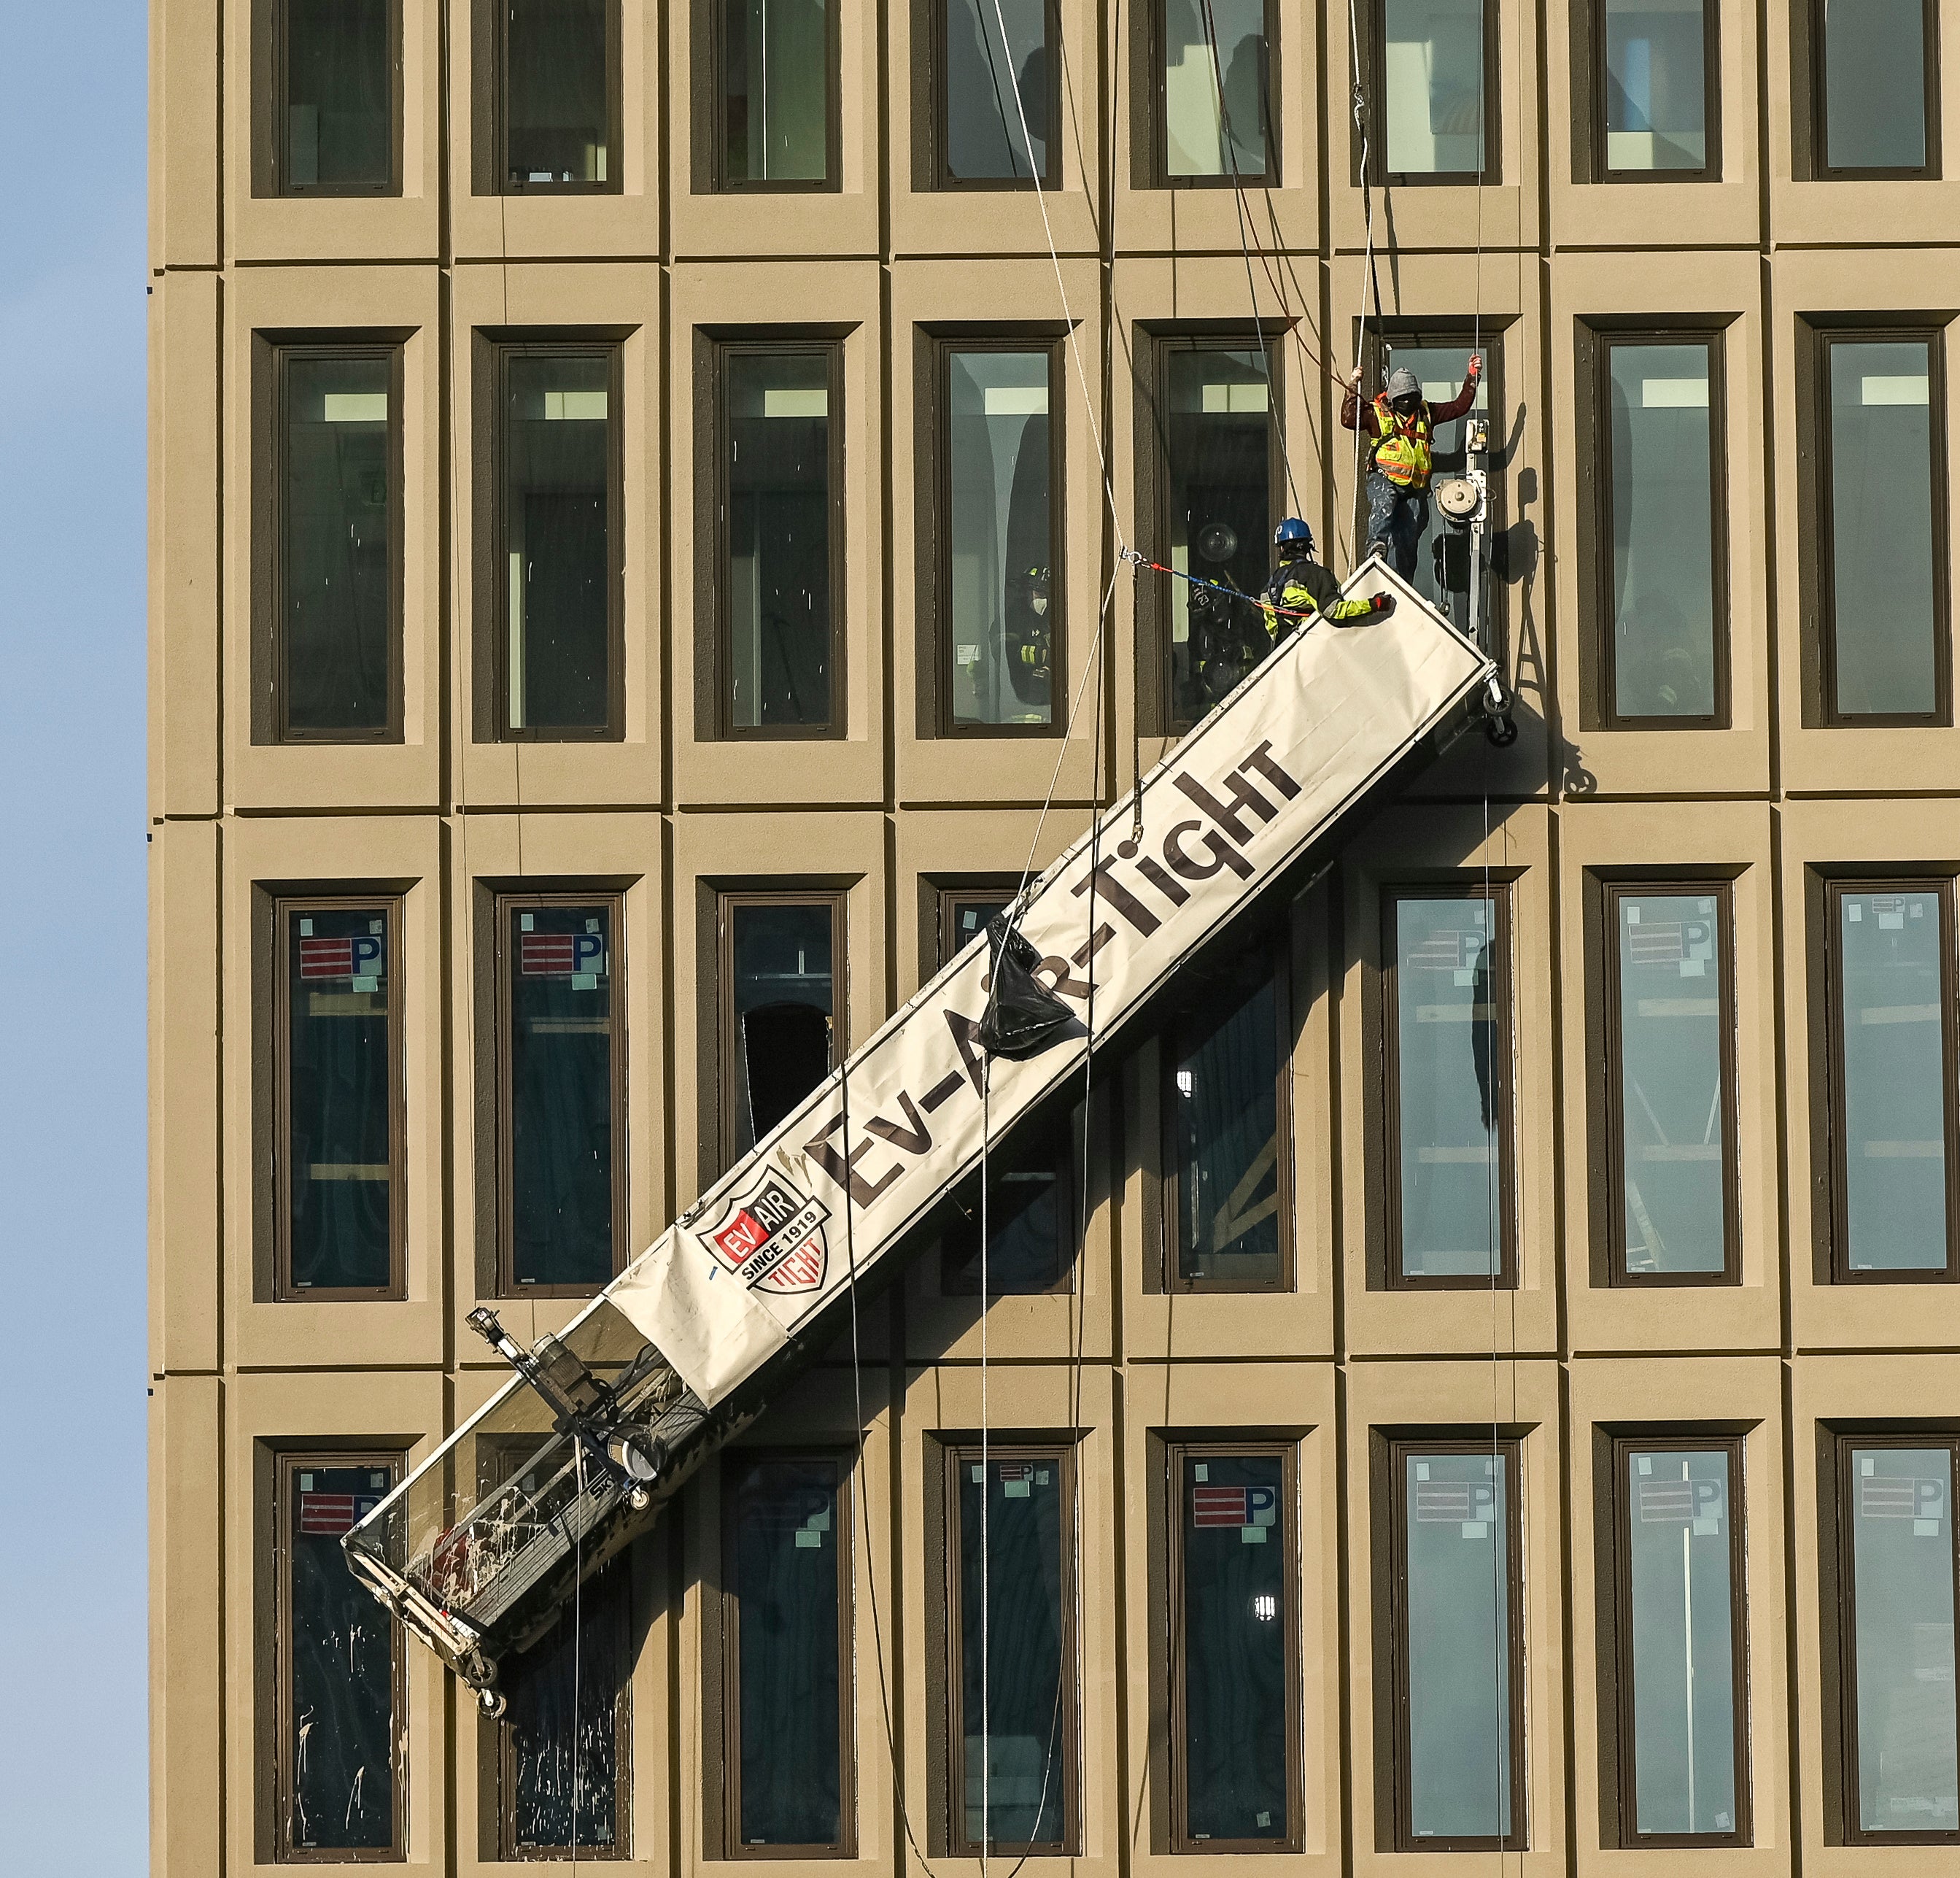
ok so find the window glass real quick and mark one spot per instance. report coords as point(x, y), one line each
point(561, 974)
point(1874, 58)
point(1885, 575)
point(781, 1002)
point(339, 1724)
point(1204, 40)
point(775, 90)
point(1902, 1520)
point(1002, 600)
point(1029, 1222)
point(336, 650)
point(1892, 1017)
point(992, 85)
point(1224, 1141)
point(1662, 597)
point(1673, 1133)
point(964, 917)
point(1442, 369)
point(339, 132)
point(1014, 1542)
point(1656, 86)
point(1235, 1585)
point(1432, 109)
point(1218, 444)
point(1449, 1074)
point(557, 479)
point(1682, 1601)
point(1458, 1621)
point(778, 583)
point(786, 1539)
point(557, 119)
point(340, 1099)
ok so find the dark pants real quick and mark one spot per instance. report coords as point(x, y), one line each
point(1396, 518)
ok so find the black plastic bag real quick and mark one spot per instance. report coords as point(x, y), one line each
point(1022, 1016)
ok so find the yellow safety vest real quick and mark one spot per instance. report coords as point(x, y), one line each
point(1402, 455)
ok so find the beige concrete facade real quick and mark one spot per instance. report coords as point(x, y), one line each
point(1774, 803)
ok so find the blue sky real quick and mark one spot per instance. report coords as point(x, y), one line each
point(73, 1630)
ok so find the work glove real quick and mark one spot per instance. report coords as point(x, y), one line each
point(1381, 604)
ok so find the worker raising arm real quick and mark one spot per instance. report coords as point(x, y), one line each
point(1400, 425)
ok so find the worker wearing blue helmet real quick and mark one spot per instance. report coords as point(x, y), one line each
point(1300, 588)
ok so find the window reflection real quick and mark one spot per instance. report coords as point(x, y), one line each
point(1656, 86)
point(781, 998)
point(557, 109)
point(1433, 81)
point(1672, 1075)
point(339, 78)
point(1874, 59)
point(1208, 132)
point(1031, 1227)
point(1885, 490)
point(1892, 1018)
point(1662, 592)
point(775, 91)
point(997, 91)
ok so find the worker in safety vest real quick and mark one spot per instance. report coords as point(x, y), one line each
point(1300, 585)
point(1401, 425)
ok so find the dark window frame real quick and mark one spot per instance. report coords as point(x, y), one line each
point(272, 356)
point(503, 978)
point(283, 907)
point(1840, 1603)
point(1154, 612)
point(282, 1508)
point(1277, 953)
point(1374, 53)
point(1610, 893)
point(1151, 87)
point(727, 1044)
point(1835, 888)
point(946, 894)
point(710, 95)
point(272, 72)
point(1601, 714)
point(1497, 894)
point(492, 35)
point(1616, 1530)
point(730, 1741)
point(929, 102)
point(1595, 127)
point(1390, 1569)
point(1061, 1454)
point(937, 446)
point(720, 348)
point(1823, 339)
point(1178, 1456)
point(1816, 119)
point(1058, 1114)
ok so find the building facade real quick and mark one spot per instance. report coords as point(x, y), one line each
point(639, 502)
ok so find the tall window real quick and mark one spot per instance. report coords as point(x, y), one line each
point(1671, 1085)
point(336, 1068)
point(1663, 605)
point(1030, 1216)
point(561, 1092)
point(334, 591)
point(1010, 1624)
point(1876, 92)
point(776, 81)
point(1225, 1159)
point(336, 90)
point(1433, 116)
point(558, 574)
point(1217, 509)
point(786, 1656)
point(779, 954)
point(994, 103)
point(1000, 585)
point(1455, 1650)
point(1214, 58)
point(1678, 1625)
point(1893, 1073)
point(1884, 480)
point(1894, 1610)
point(1446, 1008)
point(1660, 89)
point(339, 1690)
point(1234, 1591)
point(779, 443)
point(557, 115)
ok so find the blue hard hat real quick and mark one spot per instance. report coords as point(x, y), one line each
point(1293, 532)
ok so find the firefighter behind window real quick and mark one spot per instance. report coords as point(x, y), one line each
point(1029, 633)
point(1400, 425)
